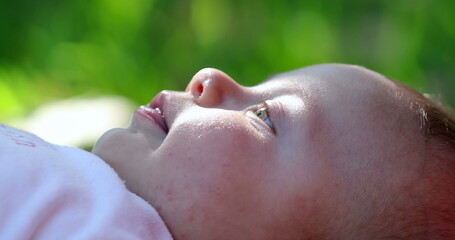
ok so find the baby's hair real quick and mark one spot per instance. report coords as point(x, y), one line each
point(438, 129)
point(439, 120)
point(434, 206)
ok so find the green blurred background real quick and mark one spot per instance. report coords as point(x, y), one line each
point(55, 49)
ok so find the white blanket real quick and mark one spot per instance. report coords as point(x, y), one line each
point(54, 192)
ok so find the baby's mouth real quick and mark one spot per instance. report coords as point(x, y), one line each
point(157, 106)
point(163, 123)
point(155, 114)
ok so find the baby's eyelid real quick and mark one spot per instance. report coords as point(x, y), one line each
point(268, 119)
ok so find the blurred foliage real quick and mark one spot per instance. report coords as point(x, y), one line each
point(53, 49)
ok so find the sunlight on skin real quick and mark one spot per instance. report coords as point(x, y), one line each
point(217, 171)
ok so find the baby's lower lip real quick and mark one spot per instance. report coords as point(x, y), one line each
point(154, 115)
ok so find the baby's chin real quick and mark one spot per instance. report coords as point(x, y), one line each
point(115, 145)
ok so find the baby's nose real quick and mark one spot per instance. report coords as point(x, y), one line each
point(199, 81)
point(211, 87)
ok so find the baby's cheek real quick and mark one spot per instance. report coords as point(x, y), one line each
point(211, 173)
point(222, 174)
point(240, 168)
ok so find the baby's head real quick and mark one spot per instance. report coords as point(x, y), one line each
point(325, 152)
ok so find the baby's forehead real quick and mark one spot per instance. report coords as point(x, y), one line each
point(341, 87)
point(335, 77)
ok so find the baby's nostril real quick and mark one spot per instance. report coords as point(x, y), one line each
point(200, 82)
point(200, 89)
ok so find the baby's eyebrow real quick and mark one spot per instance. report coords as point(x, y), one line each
point(296, 88)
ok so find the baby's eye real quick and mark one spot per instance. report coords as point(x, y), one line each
point(263, 113)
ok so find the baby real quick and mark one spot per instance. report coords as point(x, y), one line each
point(324, 152)
point(329, 151)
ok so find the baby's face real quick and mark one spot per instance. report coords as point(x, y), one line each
point(289, 158)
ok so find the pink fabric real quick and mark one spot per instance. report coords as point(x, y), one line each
point(55, 192)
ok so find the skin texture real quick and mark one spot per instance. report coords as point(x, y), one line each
point(341, 162)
